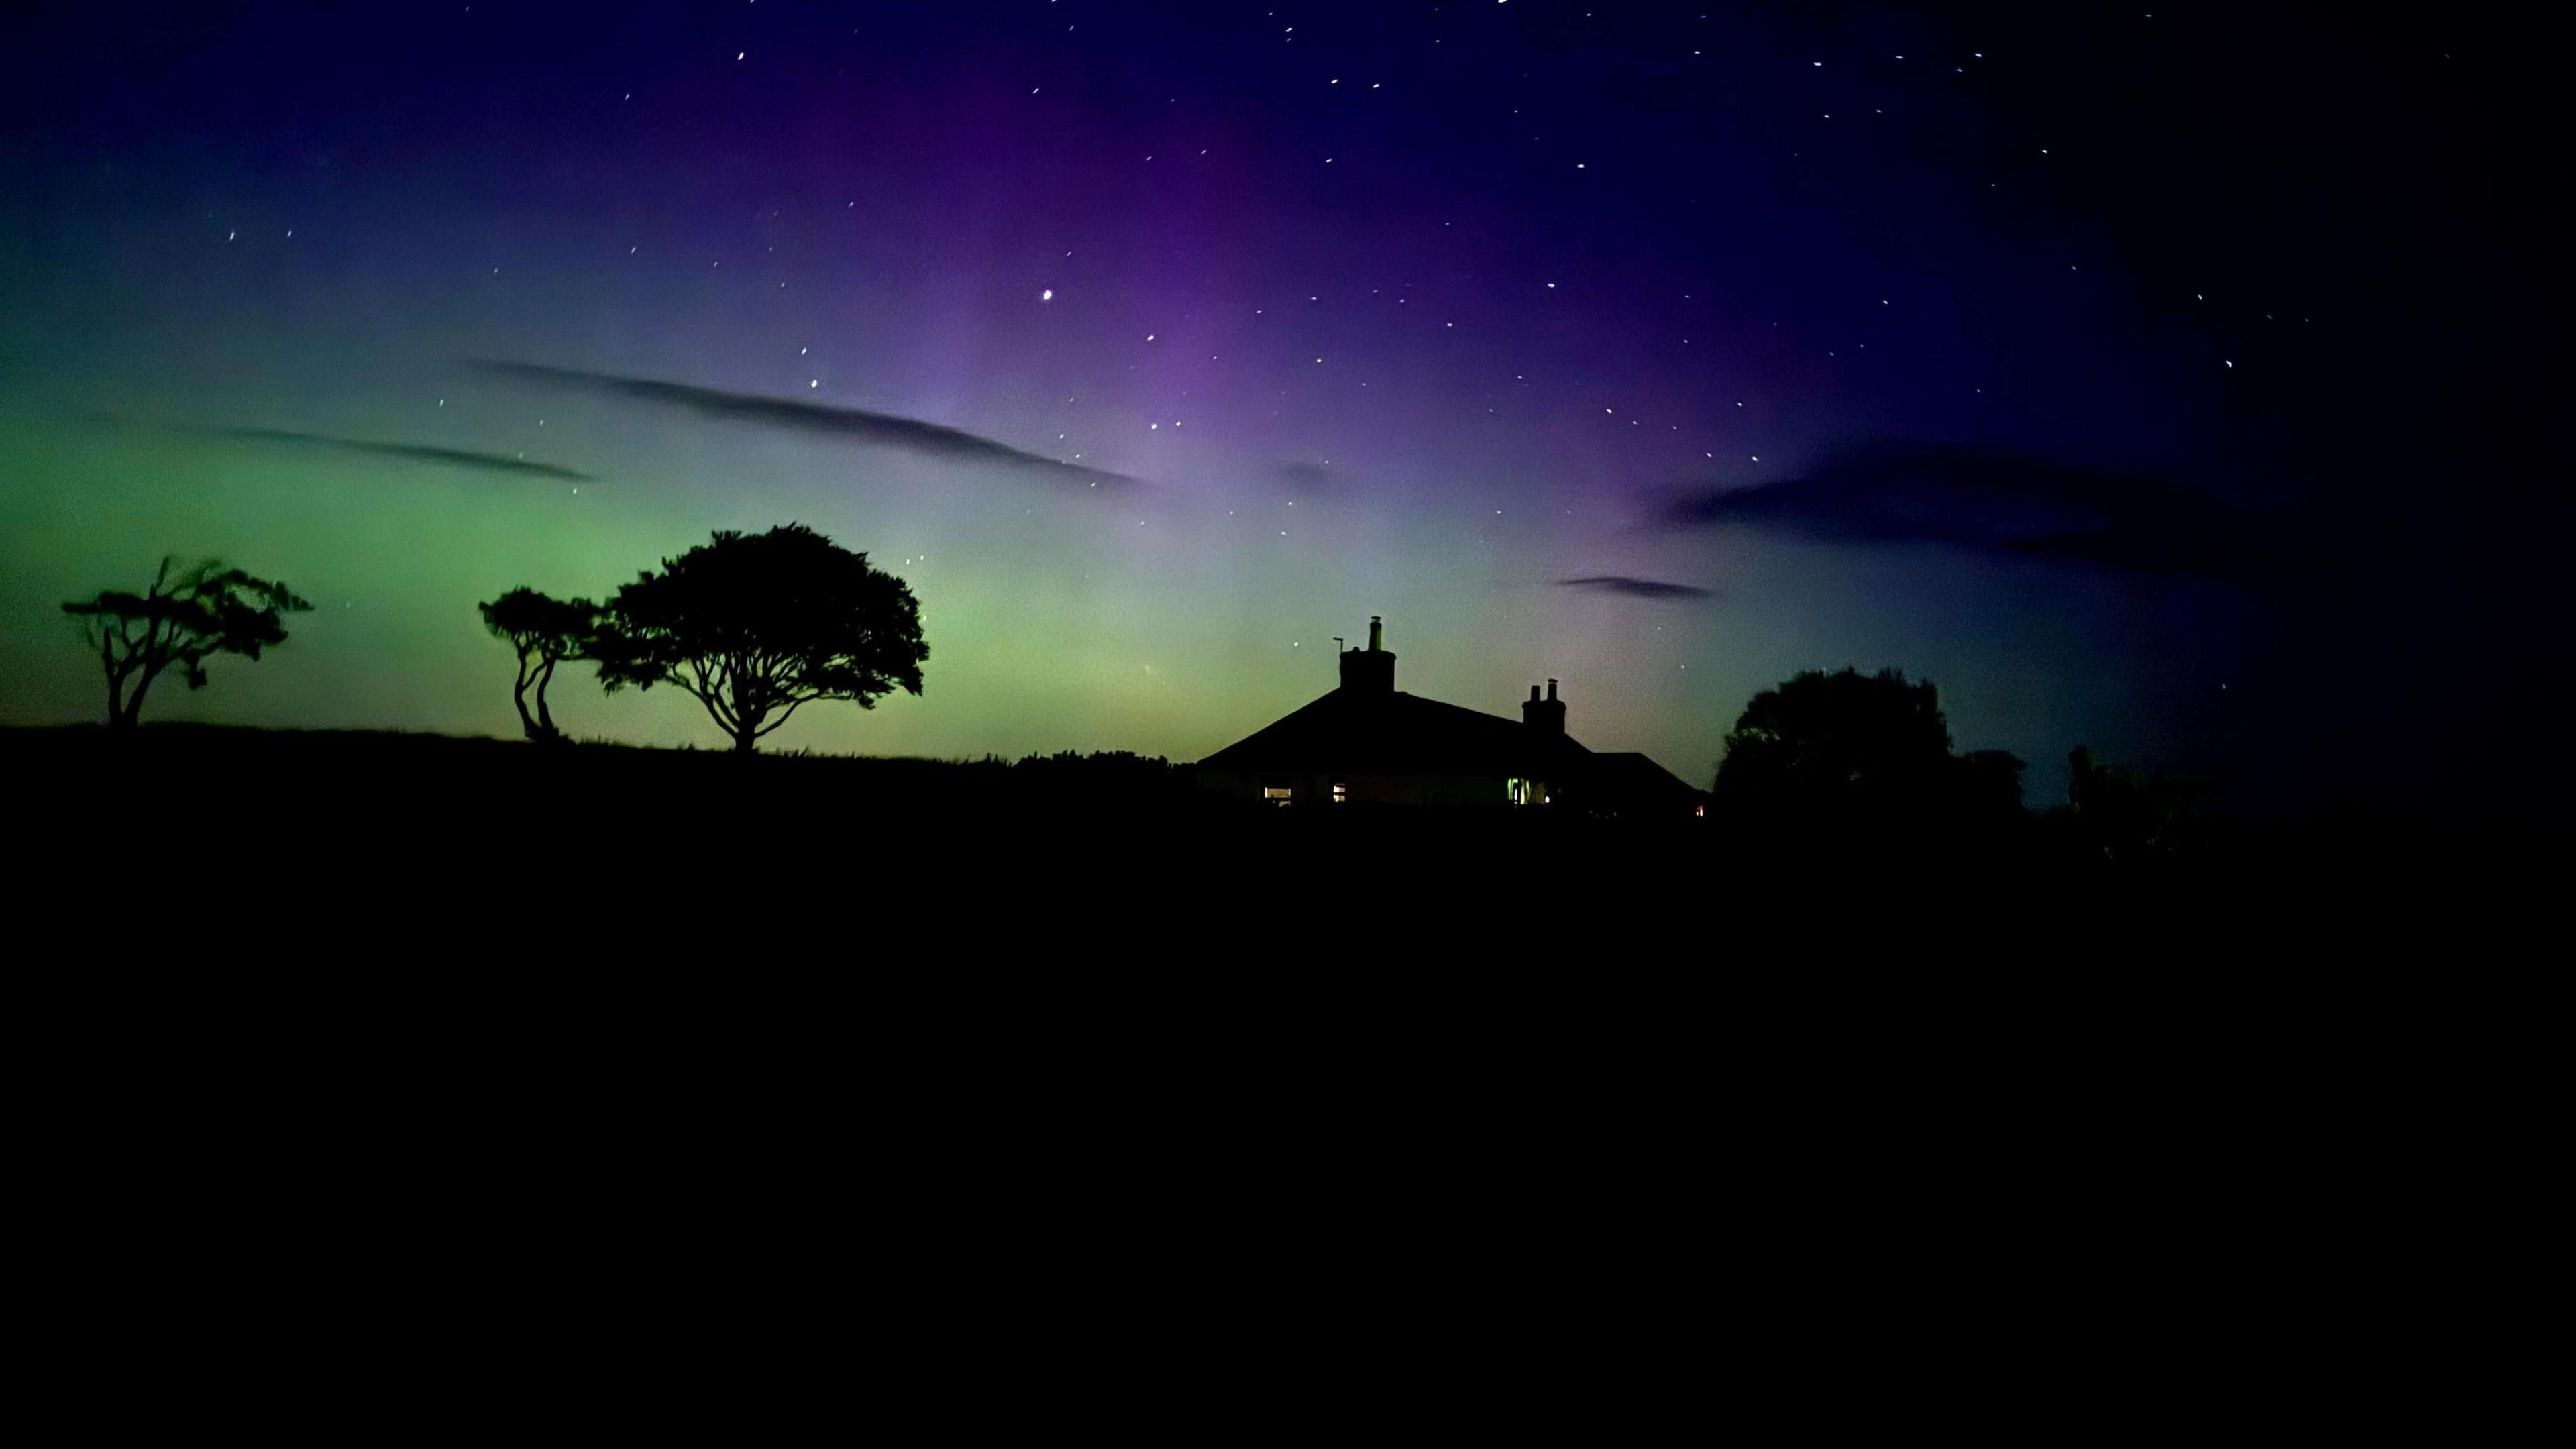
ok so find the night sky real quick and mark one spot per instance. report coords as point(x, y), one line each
point(2130, 372)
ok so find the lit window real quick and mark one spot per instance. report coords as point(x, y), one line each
point(1277, 794)
point(1341, 793)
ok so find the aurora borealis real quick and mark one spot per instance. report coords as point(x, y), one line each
point(1663, 350)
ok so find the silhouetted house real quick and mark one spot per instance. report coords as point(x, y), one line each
point(1371, 743)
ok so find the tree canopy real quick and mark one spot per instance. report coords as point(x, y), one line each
point(545, 631)
point(207, 610)
point(755, 626)
point(1831, 748)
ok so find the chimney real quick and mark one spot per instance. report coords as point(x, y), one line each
point(1370, 670)
point(1547, 716)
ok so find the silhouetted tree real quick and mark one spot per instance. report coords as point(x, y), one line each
point(1825, 749)
point(1832, 738)
point(207, 610)
point(1988, 782)
point(753, 626)
point(546, 631)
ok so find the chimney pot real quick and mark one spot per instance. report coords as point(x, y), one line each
point(1546, 716)
point(1370, 670)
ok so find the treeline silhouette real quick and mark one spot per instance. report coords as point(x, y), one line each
point(1843, 763)
point(1826, 767)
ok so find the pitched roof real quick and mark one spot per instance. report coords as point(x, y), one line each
point(1631, 776)
point(1394, 733)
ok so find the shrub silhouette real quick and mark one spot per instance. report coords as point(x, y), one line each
point(755, 626)
point(2129, 815)
point(546, 631)
point(208, 610)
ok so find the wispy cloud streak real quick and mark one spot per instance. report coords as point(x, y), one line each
point(412, 452)
point(858, 425)
point(2006, 503)
point(1635, 588)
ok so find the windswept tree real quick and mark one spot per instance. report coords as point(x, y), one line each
point(755, 626)
point(546, 631)
point(184, 621)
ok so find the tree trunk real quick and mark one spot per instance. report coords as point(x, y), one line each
point(748, 712)
point(519, 697)
point(134, 701)
point(545, 716)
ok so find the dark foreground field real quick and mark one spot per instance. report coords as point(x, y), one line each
point(1105, 857)
point(504, 1016)
point(356, 842)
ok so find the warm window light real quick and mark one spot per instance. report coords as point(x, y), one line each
point(1341, 794)
point(1277, 794)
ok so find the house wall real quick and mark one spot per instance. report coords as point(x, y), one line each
point(1312, 788)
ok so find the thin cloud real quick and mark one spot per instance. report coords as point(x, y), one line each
point(910, 435)
point(2005, 504)
point(414, 452)
point(1637, 588)
point(1307, 478)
